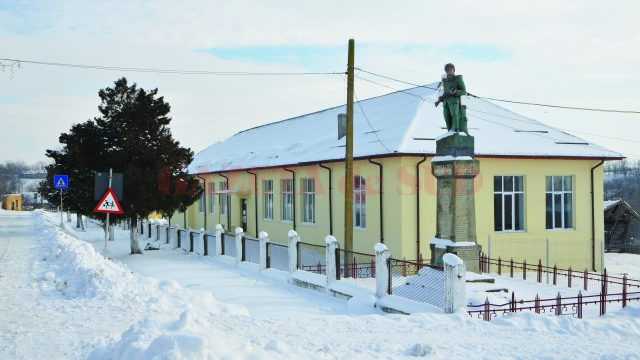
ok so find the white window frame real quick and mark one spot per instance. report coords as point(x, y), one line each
point(308, 201)
point(562, 193)
point(286, 191)
point(513, 193)
point(267, 199)
point(223, 197)
point(359, 202)
point(212, 198)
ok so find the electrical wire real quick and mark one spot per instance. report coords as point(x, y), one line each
point(374, 131)
point(503, 116)
point(512, 101)
point(167, 71)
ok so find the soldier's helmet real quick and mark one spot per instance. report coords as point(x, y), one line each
point(449, 65)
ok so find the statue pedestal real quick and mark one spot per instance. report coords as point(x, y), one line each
point(455, 168)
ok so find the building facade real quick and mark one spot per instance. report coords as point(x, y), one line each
point(538, 196)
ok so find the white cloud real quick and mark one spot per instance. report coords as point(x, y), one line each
point(581, 53)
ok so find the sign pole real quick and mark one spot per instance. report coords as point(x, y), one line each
point(61, 219)
point(106, 229)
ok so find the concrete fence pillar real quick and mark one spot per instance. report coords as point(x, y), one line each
point(239, 234)
point(264, 239)
point(382, 270)
point(219, 231)
point(332, 246)
point(293, 253)
point(455, 296)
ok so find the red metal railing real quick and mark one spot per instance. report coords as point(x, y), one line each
point(572, 305)
point(554, 272)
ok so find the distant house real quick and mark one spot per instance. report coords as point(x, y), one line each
point(618, 214)
point(12, 202)
point(535, 181)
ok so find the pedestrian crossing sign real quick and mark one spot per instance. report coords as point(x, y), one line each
point(108, 204)
point(61, 181)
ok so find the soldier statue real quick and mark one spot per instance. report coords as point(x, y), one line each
point(455, 114)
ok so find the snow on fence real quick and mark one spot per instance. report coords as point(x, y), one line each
point(250, 249)
point(416, 281)
point(209, 242)
point(553, 275)
point(357, 268)
point(228, 245)
point(570, 306)
point(312, 258)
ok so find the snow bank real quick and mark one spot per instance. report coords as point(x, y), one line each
point(182, 324)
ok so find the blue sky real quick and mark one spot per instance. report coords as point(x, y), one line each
point(512, 49)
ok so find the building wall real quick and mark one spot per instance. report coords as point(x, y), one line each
point(12, 199)
point(568, 246)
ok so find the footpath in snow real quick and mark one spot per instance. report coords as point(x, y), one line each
point(72, 303)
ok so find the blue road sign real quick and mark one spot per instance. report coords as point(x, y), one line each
point(61, 181)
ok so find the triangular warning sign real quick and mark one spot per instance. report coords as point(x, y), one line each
point(61, 183)
point(108, 204)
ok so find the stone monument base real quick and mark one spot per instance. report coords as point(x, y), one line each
point(469, 252)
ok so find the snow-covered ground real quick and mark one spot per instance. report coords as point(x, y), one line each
point(61, 299)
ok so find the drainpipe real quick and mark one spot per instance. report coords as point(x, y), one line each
point(255, 196)
point(381, 207)
point(228, 203)
point(424, 158)
point(593, 220)
point(293, 194)
point(204, 185)
point(330, 199)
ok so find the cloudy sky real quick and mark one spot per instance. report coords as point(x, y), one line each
point(576, 53)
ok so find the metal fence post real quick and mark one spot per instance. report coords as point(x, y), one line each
point(239, 234)
point(454, 283)
point(382, 270)
point(264, 239)
point(293, 253)
point(332, 246)
point(218, 240)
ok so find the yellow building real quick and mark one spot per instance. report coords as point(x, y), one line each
point(12, 202)
point(538, 196)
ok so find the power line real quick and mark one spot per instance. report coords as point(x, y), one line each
point(475, 116)
point(165, 71)
point(374, 131)
point(503, 116)
point(513, 101)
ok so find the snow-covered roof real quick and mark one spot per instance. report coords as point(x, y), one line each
point(609, 203)
point(403, 122)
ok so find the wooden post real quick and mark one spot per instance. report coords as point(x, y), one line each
point(348, 179)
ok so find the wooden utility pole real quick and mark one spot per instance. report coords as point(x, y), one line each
point(348, 158)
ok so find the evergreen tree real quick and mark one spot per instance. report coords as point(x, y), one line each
point(131, 136)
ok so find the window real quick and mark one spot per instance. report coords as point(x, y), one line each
point(212, 198)
point(287, 199)
point(359, 202)
point(308, 201)
point(508, 203)
point(559, 202)
point(222, 185)
point(267, 189)
point(201, 202)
